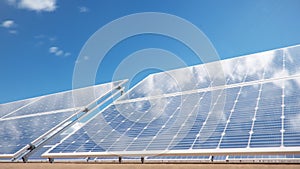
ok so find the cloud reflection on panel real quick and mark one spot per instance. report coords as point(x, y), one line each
point(291, 113)
point(265, 65)
point(17, 133)
point(292, 63)
point(53, 102)
point(170, 82)
point(159, 121)
point(7, 108)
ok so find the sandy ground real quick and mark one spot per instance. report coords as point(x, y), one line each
point(144, 166)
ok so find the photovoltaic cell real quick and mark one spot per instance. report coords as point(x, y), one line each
point(163, 113)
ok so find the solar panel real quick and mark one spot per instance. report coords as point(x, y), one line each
point(115, 131)
point(260, 113)
point(29, 122)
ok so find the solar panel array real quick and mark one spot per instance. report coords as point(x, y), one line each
point(182, 112)
point(249, 108)
point(23, 122)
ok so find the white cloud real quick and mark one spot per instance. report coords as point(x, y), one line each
point(85, 58)
point(42, 39)
point(11, 2)
point(52, 39)
point(67, 54)
point(53, 49)
point(34, 5)
point(294, 122)
point(83, 9)
point(8, 24)
point(40, 36)
point(58, 52)
point(13, 32)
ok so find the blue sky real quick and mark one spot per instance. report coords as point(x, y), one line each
point(40, 41)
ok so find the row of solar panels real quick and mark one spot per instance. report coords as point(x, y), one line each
point(250, 107)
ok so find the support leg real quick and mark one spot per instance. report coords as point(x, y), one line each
point(51, 160)
point(25, 159)
point(142, 160)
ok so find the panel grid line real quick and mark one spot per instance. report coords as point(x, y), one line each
point(283, 102)
point(147, 127)
point(123, 134)
point(191, 112)
point(103, 129)
point(233, 107)
point(255, 111)
point(198, 135)
point(120, 125)
point(231, 111)
point(169, 119)
point(204, 123)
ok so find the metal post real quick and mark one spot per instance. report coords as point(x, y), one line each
point(51, 160)
point(142, 160)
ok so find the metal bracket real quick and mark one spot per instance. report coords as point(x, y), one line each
point(86, 110)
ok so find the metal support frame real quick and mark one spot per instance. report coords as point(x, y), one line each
point(196, 152)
